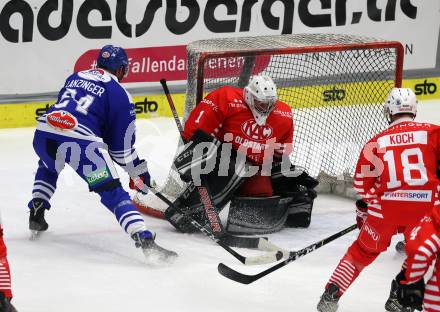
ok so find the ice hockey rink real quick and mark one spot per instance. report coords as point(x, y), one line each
point(86, 263)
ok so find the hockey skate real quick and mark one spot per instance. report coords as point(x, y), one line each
point(392, 305)
point(5, 304)
point(37, 223)
point(329, 299)
point(154, 254)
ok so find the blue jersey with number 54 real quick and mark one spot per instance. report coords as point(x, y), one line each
point(94, 106)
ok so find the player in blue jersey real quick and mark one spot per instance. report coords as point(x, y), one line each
point(89, 128)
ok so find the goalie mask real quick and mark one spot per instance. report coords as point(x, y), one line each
point(260, 95)
point(400, 101)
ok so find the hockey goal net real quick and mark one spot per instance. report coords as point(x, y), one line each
point(335, 84)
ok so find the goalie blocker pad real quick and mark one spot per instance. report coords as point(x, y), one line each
point(198, 155)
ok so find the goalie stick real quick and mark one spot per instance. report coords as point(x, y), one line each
point(274, 253)
point(294, 255)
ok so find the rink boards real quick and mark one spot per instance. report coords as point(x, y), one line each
point(16, 115)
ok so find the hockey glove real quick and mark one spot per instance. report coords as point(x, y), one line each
point(361, 213)
point(140, 179)
point(411, 295)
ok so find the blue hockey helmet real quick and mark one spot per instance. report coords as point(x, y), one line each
point(112, 58)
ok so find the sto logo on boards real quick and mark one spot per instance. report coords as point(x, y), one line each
point(41, 111)
point(145, 106)
point(425, 88)
point(141, 107)
point(333, 95)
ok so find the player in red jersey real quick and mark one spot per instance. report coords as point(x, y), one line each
point(250, 123)
point(396, 179)
point(5, 278)
point(423, 250)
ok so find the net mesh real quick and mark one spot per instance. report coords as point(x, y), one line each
point(335, 84)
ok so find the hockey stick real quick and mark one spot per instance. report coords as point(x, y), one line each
point(163, 82)
point(273, 254)
point(294, 255)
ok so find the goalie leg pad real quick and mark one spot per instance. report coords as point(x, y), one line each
point(257, 215)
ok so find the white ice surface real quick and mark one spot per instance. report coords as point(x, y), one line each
point(86, 263)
